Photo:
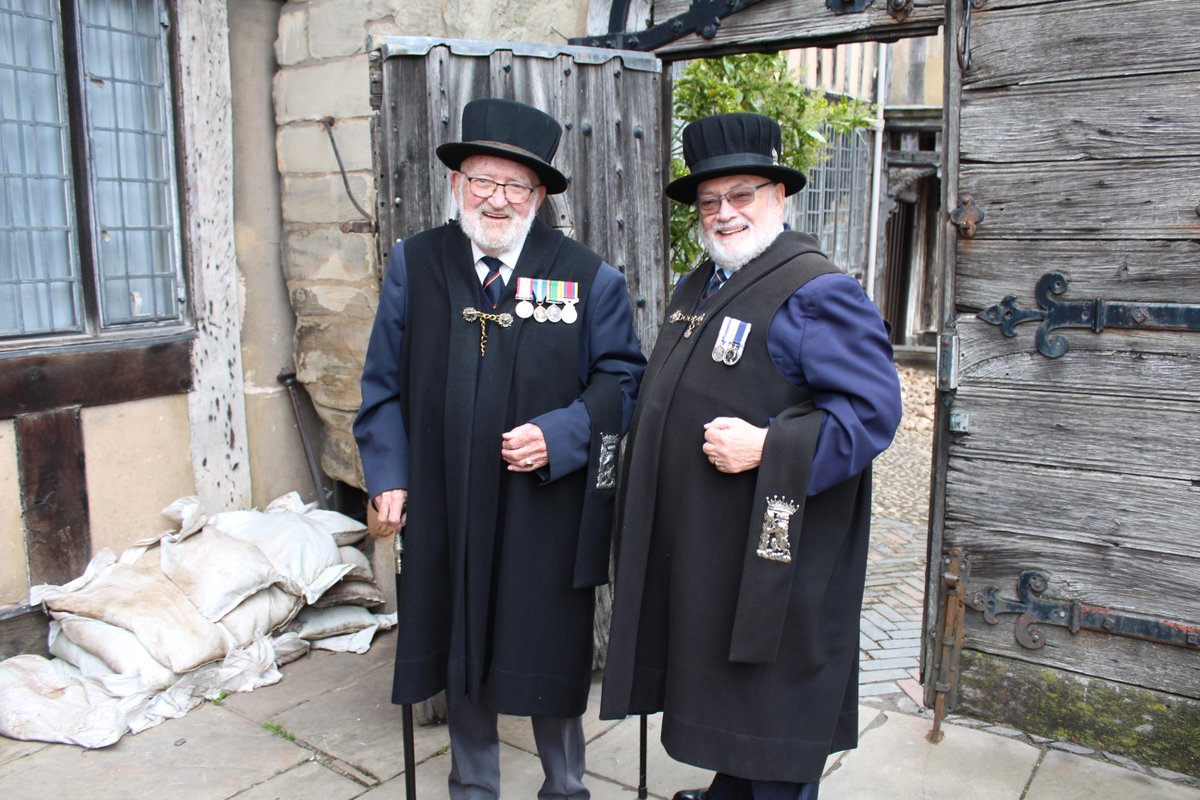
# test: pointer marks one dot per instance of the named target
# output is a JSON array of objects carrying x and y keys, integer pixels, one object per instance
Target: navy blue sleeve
[
  {"x": 829, "y": 338},
  {"x": 610, "y": 345},
  {"x": 379, "y": 427}
]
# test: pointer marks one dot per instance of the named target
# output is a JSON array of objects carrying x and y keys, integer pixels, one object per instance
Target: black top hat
[
  {"x": 508, "y": 129},
  {"x": 732, "y": 144}
]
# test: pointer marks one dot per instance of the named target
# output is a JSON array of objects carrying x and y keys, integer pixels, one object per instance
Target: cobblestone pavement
[{"x": 890, "y": 627}]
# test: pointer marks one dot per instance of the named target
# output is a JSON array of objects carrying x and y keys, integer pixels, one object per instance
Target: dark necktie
[
  {"x": 493, "y": 284},
  {"x": 714, "y": 283}
]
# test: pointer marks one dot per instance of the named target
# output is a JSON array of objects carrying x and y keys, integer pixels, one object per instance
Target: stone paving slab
[
  {"x": 358, "y": 725},
  {"x": 315, "y": 674},
  {"x": 614, "y": 756},
  {"x": 1064, "y": 776},
  {"x": 308, "y": 781},
  {"x": 894, "y": 760},
  {"x": 210, "y": 753}
]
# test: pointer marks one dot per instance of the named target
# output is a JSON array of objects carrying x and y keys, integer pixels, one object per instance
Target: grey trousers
[{"x": 475, "y": 753}]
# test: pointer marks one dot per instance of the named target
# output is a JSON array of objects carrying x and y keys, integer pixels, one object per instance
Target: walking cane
[
  {"x": 406, "y": 712},
  {"x": 642, "y": 791}
]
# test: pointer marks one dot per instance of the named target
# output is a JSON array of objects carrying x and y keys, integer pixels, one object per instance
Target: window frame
[{"x": 93, "y": 333}]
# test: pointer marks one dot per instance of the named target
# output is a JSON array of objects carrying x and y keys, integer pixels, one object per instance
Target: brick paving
[{"x": 890, "y": 626}]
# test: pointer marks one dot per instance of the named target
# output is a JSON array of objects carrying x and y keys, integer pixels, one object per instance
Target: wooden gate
[
  {"x": 612, "y": 147},
  {"x": 1067, "y": 471}
]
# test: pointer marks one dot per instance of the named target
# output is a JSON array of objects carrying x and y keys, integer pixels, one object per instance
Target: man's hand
[
  {"x": 524, "y": 448},
  {"x": 733, "y": 445},
  {"x": 392, "y": 508}
]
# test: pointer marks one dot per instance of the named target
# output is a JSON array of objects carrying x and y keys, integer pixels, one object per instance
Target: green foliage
[{"x": 764, "y": 84}]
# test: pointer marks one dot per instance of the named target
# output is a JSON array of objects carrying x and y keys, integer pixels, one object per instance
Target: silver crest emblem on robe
[
  {"x": 606, "y": 470},
  {"x": 774, "y": 544}
]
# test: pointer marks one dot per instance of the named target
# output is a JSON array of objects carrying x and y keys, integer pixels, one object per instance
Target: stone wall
[{"x": 333, "y": 277}]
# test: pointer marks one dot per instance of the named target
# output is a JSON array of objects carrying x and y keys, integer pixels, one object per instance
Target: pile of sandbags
[{"x": 212, "y": 607}]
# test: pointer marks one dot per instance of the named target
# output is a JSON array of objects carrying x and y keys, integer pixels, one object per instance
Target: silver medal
[
  {"x": 524, "y": 309},
  {"x": 569, "y": 314},
  {"x": 553, "y": 312}
]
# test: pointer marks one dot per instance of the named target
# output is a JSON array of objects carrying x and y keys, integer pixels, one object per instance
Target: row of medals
[{"x": 552, "y": 312}]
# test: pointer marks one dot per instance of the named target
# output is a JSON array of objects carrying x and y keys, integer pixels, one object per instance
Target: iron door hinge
[
  {"x": 1095, "y": 314},
  {"x": 1035, "y": 610}
]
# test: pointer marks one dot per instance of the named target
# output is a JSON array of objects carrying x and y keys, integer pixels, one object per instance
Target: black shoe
[{"x": 691, "y": 794}]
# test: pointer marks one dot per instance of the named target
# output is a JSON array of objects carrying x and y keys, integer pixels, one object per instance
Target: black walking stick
[
  {"x": 406, "y": 712},
  {"x": 642, "y": 761}
]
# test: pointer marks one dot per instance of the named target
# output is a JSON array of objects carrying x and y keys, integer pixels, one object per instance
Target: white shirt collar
[{"x": 509, "y": 257}]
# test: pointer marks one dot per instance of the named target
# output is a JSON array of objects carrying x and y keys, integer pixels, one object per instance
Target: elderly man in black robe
[
  {"x": 745, "y": 508},
  {"x": 500, "y": 375}
]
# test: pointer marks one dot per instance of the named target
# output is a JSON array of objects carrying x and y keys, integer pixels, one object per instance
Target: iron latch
[
  {"x": 1094, "y": 314},
  {"x": 949, "y": 634},
  {"x": 1074, "y": 615},
  {"x": 967, "y": 216}
]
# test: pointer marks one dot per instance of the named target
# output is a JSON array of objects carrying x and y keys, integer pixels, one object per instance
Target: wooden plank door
[
  {"x": 1073, "y": 126},
  {"x": 610, "y": 105}
]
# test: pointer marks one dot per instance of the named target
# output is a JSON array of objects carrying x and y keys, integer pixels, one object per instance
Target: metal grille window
[
  {"x": 833, "y": 206},
  {"x": 88, "y": 212}
]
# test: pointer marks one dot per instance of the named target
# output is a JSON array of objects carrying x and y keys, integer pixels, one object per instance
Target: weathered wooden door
[
  {"x": 612, "y": 148},
  {"x": 1068, "y": 472}
]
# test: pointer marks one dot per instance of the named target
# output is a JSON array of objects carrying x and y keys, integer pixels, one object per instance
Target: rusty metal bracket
[
  {"x": 900, "y": 10},
  {"x": 703, "y": 17},
  {"x": 967, "y": 216},
  {"x": 1095, "y": 314},
  {"x": 1074, "y": 615},
  {"x": 964, "y": 36},
  {"x": 954, "y": 579}
]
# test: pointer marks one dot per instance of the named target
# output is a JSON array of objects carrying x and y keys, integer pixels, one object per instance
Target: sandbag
[
  {"x": 144, "y": 601},
  {"x": 262, "y": 613},
  {"x": 360, "y": 565},
  {"x": 216, "y": 571},
  {"x": 122, "y": 651},
  {"x": 320, "y": 623},
  {"x": 348, "y": 592},
  {"x": 38, "y": 702},
  {"x": 303, "y": 553}
]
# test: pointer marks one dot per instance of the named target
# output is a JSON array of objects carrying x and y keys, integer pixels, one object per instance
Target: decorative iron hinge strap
[
  {"x": 1074, "y": 615},
  {"x": 1095, "y": 314}
]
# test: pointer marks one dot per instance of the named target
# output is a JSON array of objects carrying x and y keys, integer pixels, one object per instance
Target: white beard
[
  {"x": 732, "y": 257},
  {"x": 473, "y": 225}
]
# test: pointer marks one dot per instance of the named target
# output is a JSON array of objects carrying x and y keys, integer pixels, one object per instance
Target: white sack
[
  {"x": 359, "y": 641},
  {"x": 39, "y": 703},
  {"x": 83, "y": 660},
  {"x": 360, "y": 565},
  {"x": 215, "y": 570},
  {"x": 262, "y": 613},
  {"x": 304, "y": 554},
  {"x": 321, "y": 623},
  {"x": 351, "y": 593},
  {"x": 344, "y": 530},
  {"x": 118, "y": 648},
  {"x": 288, "y": 647},
  {"x": 142, "y": 600}
]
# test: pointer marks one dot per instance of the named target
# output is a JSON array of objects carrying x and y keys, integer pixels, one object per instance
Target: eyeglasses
[
  {"x": 484, "y": 188},
  {"x": 738, "y": 197}
]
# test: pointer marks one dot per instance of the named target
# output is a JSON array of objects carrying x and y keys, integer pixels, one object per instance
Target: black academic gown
[
  {"x": 752, "y": 659},
  {"x": 496, "y": 589}
]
